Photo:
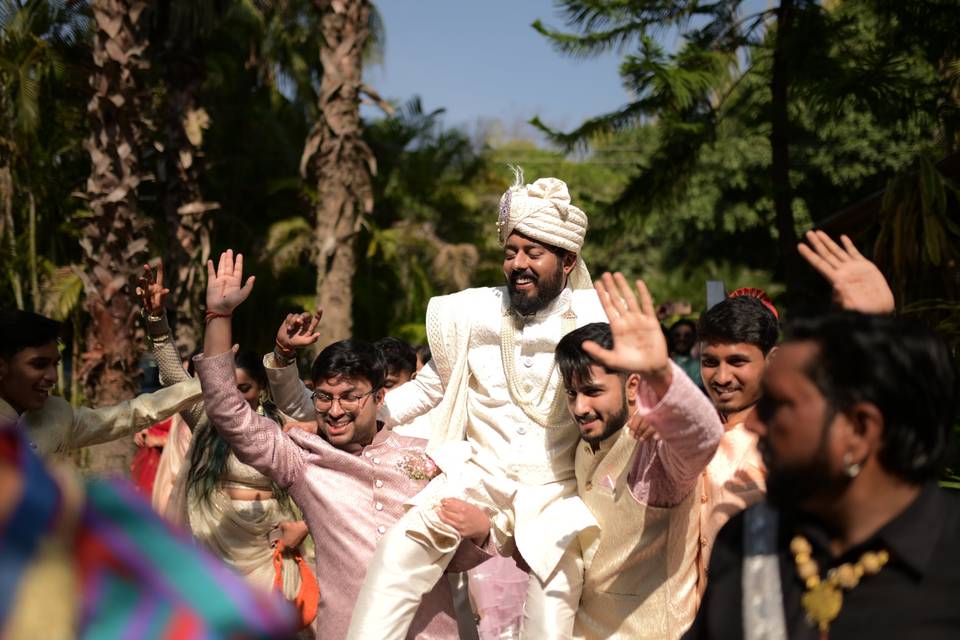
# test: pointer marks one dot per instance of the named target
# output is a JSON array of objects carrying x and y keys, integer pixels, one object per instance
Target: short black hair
[
  {"x": 896, "y": 364},
  {"x": 22, "y": 329},
  {"x": 355, "y": 359},
  {"x": 424, "y": 353},
  {"x": 398, "y": 356},
  {"x": 573, "y": 361},
  {"x": 740, "y": 319}
]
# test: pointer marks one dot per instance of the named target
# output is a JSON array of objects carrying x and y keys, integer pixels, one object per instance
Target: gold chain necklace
[{"x": 823, "y": 599}]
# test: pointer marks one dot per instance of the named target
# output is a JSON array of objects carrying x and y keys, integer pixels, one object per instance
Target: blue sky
[{"x": 482, "y": 62}]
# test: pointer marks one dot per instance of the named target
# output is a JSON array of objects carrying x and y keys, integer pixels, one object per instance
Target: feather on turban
[{"x": 542, "y": 211}]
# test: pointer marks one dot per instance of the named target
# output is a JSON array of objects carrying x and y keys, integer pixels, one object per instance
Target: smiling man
[
  {"x": 351, "y": 479},
  {"x": 29, "y": 356},
  {"x": 640, "y": 571},
  {"x": 738, "y": 338},
  {"x": 500, "y": 431}
]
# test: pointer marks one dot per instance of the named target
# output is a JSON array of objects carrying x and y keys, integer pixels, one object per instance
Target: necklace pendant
[{"x": 822, "y": 604}]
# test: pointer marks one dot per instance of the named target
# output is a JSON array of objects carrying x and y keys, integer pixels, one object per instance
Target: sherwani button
[
  {"x": 521, "y": 430},
  {"x": 703, "y": 542},
  {"x": 367, "y": 454},
  {"x": 528, "y": 361},
  {"x": 381, "y": 529},
  {"x": 703, "y": 499},
  {"x": 376, "y": 461},
  {"x": 588, "y": 485},
  {"x": 378, "y": 484}
]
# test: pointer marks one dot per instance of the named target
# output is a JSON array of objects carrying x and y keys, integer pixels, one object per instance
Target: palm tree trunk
[
  {"x": 779, "y": 144},
  {"x": 341, "y": 161},
  {"x": 188, "y": 225},
  {"x": 9, "y": 234},
  {"x": 113, "y": 241},
  {"x": 32, "y": 251}
]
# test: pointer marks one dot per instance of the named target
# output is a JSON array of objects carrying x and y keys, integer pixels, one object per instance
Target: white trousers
[{"x": 406, "y": 566}]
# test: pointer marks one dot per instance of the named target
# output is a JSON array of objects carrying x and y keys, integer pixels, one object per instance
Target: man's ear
[
  {"x": 772, "y": 354},
  {"x": 866, "y": 430},
  {"x": 632, "y": 388},
  {"x": 569, "y": 262},
  {"x": 379, "y": 395}
]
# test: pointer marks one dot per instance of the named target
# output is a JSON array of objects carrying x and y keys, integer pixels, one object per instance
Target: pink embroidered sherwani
[
  {"x": 348, "y": 500},
  {"x": 640, "y": 570},
  {"x": 734, "y": 480}
]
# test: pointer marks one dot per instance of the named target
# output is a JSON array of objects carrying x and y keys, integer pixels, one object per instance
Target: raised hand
[
  {"x": 298, "y": 330},
  {"x": 225, "y": 287},
  {"x": 639, "y": 345},
  {"x": 858, "y": 285},
  {"x": 151, "y": 291}
]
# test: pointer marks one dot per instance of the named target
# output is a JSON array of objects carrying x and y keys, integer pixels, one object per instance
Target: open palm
[
  {"x": 639, "y": 345},
  {"x": 225, "y": 286},
  {"x": 858, "y": 285}
]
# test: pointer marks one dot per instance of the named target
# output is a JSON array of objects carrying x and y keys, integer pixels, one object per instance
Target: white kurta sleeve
[{"x": 412, "y": 399}]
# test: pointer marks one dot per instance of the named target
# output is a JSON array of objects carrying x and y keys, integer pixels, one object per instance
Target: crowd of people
[{"x": 554, "y": 463}]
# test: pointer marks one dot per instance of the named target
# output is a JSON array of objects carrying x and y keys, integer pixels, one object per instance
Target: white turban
[{"x": 542, "y": 211}]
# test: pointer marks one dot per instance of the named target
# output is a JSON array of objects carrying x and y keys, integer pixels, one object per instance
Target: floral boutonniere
[{"x": 418, "y": 466}]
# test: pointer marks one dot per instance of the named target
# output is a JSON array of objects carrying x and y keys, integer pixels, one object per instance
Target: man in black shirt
[{"x": 857, "y": 540}]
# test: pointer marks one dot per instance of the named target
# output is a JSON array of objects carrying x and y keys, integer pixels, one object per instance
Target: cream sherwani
[
  {"x": 58, "y": 426},
  {"x": 493, "y": 454}
]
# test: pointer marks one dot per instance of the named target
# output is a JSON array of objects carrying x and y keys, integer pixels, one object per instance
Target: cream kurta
[
  {"x": 58, "y": 427},
  {"x": 640, "y": 572}
]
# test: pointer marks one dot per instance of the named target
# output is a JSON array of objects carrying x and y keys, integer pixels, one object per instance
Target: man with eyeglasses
[{"x": 351, "y": 479}]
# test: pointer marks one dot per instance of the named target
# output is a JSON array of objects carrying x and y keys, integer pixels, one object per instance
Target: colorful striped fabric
[{"x": 130, "y": 575}]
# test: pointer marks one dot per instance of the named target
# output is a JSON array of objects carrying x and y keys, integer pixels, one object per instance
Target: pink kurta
[
  {"x": 348, "y": 500},
  {"x": 734, "y": 480}
]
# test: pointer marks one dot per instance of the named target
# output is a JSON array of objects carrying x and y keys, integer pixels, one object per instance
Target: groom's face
[{"x": 536, "y": 273}]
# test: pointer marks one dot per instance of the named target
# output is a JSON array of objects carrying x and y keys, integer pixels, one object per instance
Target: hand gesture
[
  {"x": 224, "y": 290},
  {"x": 152, "y": 293},
  {"x": 639, "y": 345},
  {"x": 858, "y": 285},
  {"x": 298, "y": 331},
  {"x": 469, "y": 521}
]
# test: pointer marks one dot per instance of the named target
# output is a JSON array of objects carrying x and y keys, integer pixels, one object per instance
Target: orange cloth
[
  {"x": 143, "y": 468},
  {"x": 734, "y": 480}
]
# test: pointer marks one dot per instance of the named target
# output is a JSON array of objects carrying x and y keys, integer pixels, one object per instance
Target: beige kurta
[
  {"x": 640, "y": 571},
  {"x": 58, "y": 427}
]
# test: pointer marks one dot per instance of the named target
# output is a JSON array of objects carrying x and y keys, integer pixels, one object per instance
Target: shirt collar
[{"x": 909, "y": 537}]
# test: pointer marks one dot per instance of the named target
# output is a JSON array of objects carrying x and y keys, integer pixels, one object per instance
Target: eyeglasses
[{"x": 323, "y": 402}]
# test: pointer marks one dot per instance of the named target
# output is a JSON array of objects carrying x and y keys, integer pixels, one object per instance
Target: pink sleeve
[
  {"x": 256, "y": 440},
  {"x": 665, "y": 471}
]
